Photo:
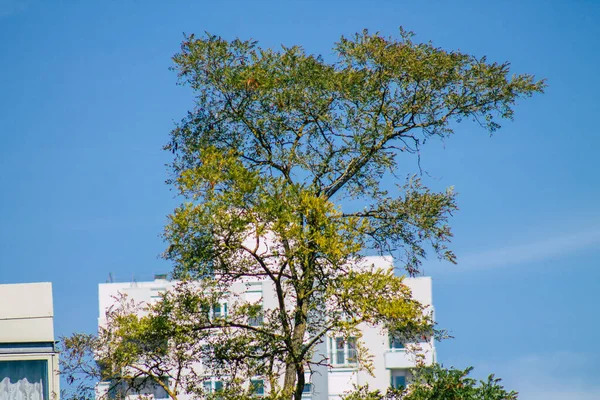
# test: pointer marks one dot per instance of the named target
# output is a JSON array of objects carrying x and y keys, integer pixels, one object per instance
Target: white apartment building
[
  {"x": 28, "y": 360},
  {"x": 391, "y": 360}
]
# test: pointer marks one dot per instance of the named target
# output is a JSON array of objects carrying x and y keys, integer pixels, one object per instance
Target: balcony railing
[{"x": 401, "y": 358}]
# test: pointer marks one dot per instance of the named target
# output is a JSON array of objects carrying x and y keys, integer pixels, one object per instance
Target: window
[
  {"x": 340, "y": 351},
  {"x": 256, "y": 318},
  {"x": 343, "y": 351},
  {"x": 140, "y": 388},
  {"x": 307, "y": 389},
  {"x": 254, "y": 299},
  {"x": 399, "y": 381},
  {"x": 396, "y": 344},
  {"x": 206, "y": 355},
  {"x": 211, "y": 386},
  {"x": 22, "y": 377},
  {"x": 258, "y": 387},
  {"x": 351, "y": 346},
  {"x": 219, "y": 310}
]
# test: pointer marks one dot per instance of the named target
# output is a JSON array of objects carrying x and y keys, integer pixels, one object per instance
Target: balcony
[{"x": 401, "y": 358}]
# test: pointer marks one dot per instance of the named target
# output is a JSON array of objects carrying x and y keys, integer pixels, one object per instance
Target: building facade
[
  {"x": 391, "y": 359},
  {"x": 28, "y": 359}
]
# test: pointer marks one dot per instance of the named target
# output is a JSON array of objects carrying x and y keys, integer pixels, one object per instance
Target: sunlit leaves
[
  {"x": 439, "y": 383},
  {"x": 280, "y": 139}
]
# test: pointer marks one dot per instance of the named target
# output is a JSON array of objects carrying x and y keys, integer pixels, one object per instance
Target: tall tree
[
  {"x": 290, "y": 167},
  {"x": 294, "y": 167}
]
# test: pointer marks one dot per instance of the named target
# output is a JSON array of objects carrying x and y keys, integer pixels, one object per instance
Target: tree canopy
[{"x": 280, "y": 142}]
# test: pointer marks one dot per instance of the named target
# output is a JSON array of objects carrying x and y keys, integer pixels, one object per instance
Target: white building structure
[
  {"x": 28, "y": 360},
  {"x": 391, "y": 360}
]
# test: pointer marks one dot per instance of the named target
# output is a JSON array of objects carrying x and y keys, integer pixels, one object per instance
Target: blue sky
[{"x": 87, "y": 101}]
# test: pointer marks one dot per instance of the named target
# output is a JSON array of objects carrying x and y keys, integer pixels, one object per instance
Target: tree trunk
[
  {"x": 289, "y": 382},
  {"x": 295, "y": 365},
  {"x": 300, "y": 383}
]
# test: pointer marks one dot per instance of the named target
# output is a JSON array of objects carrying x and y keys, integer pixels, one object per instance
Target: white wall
[
  {"x": 26, "y": 313},
  {"x": 339, "y": 380}
]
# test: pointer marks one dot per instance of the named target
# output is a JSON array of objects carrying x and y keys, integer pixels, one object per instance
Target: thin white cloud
[
  {"x": 552, "y": 376},
  {"x": 556, "y": 246}
]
